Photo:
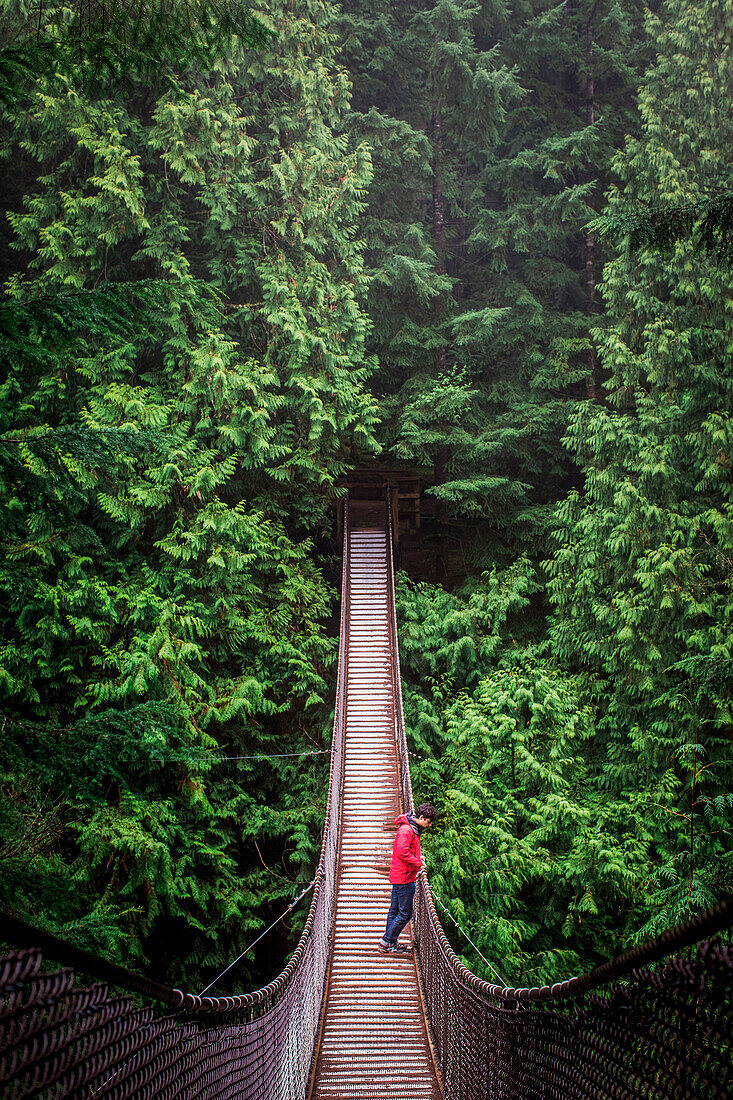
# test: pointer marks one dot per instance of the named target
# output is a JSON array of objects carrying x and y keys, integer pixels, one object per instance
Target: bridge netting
[
  {"x": 655, "y": 1023},
  {"x": 645, "y": 1025}
]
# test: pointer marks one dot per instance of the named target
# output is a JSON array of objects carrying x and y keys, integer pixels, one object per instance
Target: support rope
[
  {"x": 466, "y": 935},
  {"x": 262, "y": 935}
]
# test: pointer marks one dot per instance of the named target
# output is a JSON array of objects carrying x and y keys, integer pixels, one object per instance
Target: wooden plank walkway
[{"x": 374, "y": 1041}]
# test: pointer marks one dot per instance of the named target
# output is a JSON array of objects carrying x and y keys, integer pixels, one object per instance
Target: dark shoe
[{"x": 402, "y": 949}]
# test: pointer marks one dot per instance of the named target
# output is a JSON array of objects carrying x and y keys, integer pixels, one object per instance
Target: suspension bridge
[{"x": 343, "y": 1021}]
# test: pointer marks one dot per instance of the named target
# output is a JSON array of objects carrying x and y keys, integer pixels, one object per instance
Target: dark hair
[{"x": 426, "y": 810}]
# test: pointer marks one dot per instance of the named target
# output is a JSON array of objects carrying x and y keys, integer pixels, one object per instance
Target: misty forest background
[{"x": 472, "y": 236}]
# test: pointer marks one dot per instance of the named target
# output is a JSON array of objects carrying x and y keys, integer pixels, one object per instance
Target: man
[{"x": 406, "y": 862}]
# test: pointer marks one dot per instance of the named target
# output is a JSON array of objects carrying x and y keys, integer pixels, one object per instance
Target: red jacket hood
[{"x": 406, "y": 855}]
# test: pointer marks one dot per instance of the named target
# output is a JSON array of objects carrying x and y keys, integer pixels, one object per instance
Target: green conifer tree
[
  {"x": 175, "y": 417},
  {"x": 535, "y": 857},
  {"x": 642, "y": 575},
  {"x": 495, "y": 129}
]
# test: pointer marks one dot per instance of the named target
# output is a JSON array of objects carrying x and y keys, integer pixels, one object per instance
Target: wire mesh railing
[
  {"x": 663, "y": 1032},
  {"x": 60, "y": 1040}
]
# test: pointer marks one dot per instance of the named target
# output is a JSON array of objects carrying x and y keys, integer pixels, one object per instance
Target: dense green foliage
[
  {"x": 184, "y": 384},
  {"x": 494, "y": 127},
  {"x": 582, "y": 745},
  {"x": 652, "y": 620},
  {"x": 236, "y": 263}
]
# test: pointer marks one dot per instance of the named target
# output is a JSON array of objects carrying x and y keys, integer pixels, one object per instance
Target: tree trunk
[
  {"x": 438, "y": 221},
  {"x": 441, "y": 457},
  {"x": 590, "y": 240},
  {"x": 441, "y": 518}
]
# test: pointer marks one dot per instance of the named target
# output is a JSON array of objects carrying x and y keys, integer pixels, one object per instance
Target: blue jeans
[{"x": 400, "y": 910}]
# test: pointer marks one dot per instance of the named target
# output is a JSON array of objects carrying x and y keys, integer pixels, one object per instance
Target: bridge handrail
[
  {"x": 257, "y": 1045},
  {"x": 673, "y": 939},
  {"x": 326, "y": 869},
  {"x": 499, "y": 1040}
]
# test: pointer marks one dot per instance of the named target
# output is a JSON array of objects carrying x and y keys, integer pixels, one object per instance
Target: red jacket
[{"x": 406, "y": 858}]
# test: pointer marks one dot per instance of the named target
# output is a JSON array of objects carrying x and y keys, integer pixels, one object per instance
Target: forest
[{"x": 249, "y": 250}]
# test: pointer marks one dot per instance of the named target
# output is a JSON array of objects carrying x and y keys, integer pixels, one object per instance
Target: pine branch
[
  {"x": 109, "y": 40},
  {"x": 708, "y": 222}
]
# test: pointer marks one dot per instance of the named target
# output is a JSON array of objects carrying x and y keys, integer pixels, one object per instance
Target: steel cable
[{"x": 254, "y": 943}]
